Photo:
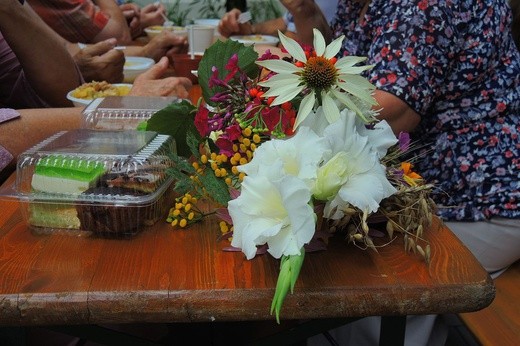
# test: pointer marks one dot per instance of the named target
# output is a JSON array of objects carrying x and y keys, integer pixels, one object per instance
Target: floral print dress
[{"x": 455, "y": 63}]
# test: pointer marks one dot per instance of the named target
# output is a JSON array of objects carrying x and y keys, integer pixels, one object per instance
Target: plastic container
[
  {"x": 102, "y": 183},
  {"x": 123, "y": 112}
]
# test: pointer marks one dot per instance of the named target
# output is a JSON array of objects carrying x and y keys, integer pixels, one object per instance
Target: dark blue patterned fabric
[{"x": 455, "y": 63}]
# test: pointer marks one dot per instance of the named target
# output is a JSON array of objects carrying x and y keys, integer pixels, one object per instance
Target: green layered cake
[
  {"x": 65, "y": 175},
  {"x": 61, "y": 175}
]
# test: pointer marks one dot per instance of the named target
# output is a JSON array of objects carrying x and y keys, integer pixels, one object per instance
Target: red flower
[{"x": 201, "y": 121}]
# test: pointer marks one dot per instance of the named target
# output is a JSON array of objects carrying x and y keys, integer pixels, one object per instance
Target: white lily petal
[
  {"x": 306, "y": 107},
  {"x": 329, "y": 108},
  {"x": 334, "y": 47},
  {"x": 292, "y": 47},
  {"x": 319, "y": 42},
  {"x": 279, "y": 66}
]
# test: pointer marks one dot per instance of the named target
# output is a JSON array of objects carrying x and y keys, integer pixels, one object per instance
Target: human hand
[
  {"x": 152, "y": 14},
  {"x": 229, "y": 25},
  {"x": 150, "y": 83},
  {"x": 100, "y": 62},
  {"x": 165, "y": 44},
  {"x": 132, "y": 14}
]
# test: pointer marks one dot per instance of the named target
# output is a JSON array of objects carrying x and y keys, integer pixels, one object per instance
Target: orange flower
[{"x": 410, "y": 176}]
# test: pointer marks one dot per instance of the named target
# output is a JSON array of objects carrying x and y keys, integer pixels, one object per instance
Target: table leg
[{"x": 392, "y": 330}]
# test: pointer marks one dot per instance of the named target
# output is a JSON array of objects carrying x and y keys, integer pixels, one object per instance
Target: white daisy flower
[{"x": 321, "y": 78}]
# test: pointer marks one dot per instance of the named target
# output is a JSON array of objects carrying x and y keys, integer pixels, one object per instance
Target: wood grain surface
[{"x": 172, "y": 275}]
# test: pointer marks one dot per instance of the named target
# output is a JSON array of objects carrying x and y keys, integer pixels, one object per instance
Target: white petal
[
  {"x": 349, "y": 61},
  {"x": 359, "y": 92},
  {"x": 306, "y": 106},
  {"x": 281, "y": 80},
  {"x": 329, "y": 108},
  {"x": 292, "y": 47},
  {"x": 284, "y": 97},
  {"x": 279, "y": 66},
  {"x": 345, "y": 99},
  {"x": 319, "y": 42},
  {"x": 354, "y": 69},
  {"x": 334, "y": 47}
]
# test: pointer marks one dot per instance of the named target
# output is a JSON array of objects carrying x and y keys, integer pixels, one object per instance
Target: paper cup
[{"x": 200, "y": 37}]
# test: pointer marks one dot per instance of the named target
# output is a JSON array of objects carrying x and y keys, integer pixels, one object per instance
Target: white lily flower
[
  {"x": 358, "y": 177},
  {"x": 298, "y": 156},
  {"x": 322, "y": 78},
  {"x": 276, "y": 213}
]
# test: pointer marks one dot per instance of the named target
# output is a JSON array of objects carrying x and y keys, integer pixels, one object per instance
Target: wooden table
[{"x": 172, "y": 275}]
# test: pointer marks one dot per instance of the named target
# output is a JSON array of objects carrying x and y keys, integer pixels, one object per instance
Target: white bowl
[
  {"x": 83, "y": 102},
  {"x": 134, "y": 66},
  {"x": 256, "y": 39},
  {"x": 155, "y": 30}
]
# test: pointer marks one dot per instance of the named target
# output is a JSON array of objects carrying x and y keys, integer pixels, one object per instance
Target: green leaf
[
  {"x": 218, "y": 55},
  {"x": 289, "y": 271},
  {"x": 175, "y": 120},
  {"x": 215, "y": 187},
  {"x": 193, "y": 142}
]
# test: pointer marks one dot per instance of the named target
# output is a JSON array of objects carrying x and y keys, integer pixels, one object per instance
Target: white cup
[
  {"x": 208, "y": 21},
  {"x": 200, "y": 37}
]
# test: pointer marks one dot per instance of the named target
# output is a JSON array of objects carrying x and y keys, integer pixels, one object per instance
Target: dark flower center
[{"x": 319, "y": 73}]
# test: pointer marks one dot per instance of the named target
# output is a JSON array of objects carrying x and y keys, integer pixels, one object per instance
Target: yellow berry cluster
[
  {"x": 227, "y": 167},
  {"x": 183, "y": 213},
  {"x": 225, "y": 228}
]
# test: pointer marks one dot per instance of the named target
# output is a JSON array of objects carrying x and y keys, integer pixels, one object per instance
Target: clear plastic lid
[
  {"x": 86, "y": 166},
  {"x": 123, "y": 112}
]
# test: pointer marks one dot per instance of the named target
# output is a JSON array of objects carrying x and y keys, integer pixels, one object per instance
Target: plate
[{"x": 256, "y": 39}]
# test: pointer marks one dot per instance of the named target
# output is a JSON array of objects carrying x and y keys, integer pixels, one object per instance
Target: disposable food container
[
  {"x": 123, "y": 112},
  {"x": 102, "y": 183}
]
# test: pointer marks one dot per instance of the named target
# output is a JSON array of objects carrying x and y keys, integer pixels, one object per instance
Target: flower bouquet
[{"x": 289, "y": 150}]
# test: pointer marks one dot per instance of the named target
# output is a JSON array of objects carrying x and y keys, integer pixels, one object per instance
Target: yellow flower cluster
[
  {"x": 227, "y": 168},
  {"x": 183, "y": 212}
]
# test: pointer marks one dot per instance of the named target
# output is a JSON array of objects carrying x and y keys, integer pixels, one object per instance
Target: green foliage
[
  {"x": 218, "y": 55},
  {"x": 289, "y": 271},
  {"x": 211, "y": 8},
  {"x": 264, "y": 10},
  {"x": 215, "y": 188},
  {"x": 175, "y": 14},
  {"x": 176, "y": 120}
]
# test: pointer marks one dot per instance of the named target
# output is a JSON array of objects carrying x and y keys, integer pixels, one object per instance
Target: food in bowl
[
  {"x": 86, "y": 92},
  {"x": 155, "y": 30},
  {"x": 134, "y": 66}
]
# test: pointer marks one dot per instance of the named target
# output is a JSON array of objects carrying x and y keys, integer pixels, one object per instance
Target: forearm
[
  {"x": 47, "y": 65},
  {"x": 116, "y": 26},
  {"x": 34, "y": 125},
  {"x": 307, "y": 16}
]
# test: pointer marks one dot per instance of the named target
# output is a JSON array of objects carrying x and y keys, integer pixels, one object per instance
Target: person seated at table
[
  {"x": 453, "y": 82},
  {"x": 33, "y": 125},
  {"x": 82, "y": 25},
  {"x": 27, "y": 81},
  {"x": 139, "y": 18},
  {"x": 229, "y": 24},
  {"x": 84, "y": 21}
]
